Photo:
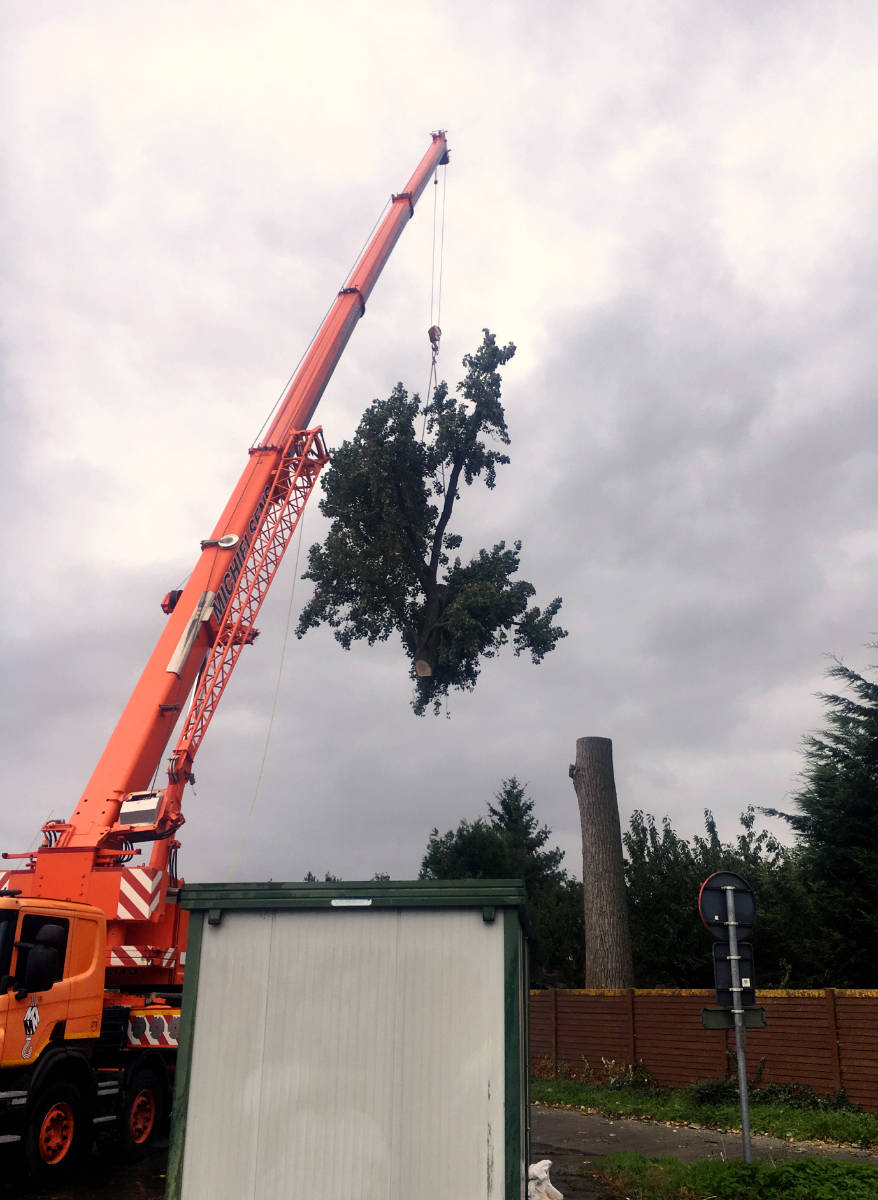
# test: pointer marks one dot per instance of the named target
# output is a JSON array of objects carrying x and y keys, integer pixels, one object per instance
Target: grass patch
[
  {"x": 773, "y": 1113},
  {"x": 643, "y": 1178}
]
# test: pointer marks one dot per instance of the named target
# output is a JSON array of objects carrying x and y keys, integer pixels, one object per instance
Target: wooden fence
[{"x": 828, "y": 1039}]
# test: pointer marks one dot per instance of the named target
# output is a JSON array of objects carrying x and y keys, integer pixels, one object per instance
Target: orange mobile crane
[{"x": 92, "y": 939}]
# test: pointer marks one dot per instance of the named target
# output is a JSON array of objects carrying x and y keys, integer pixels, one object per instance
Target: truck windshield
[{"x": 8, "y": 917}]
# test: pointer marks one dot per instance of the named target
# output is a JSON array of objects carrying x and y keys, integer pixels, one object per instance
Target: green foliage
[
  {"x": 664, "y": 874},
  {"x": 713, "y": 1092},
  {"x": 816, "y": 903},
  {"x": 385, "y": 567},
  {"x": 802, "y": 1096},
  {"x": 622, "y": 1076},
  {"x": 511, "y": 844},
  {"x": 642, "y": 1178},
  {"x": 310, "y": 877},
  {"x": 706, "y": 1104},
  {"x": 837, "y": 828}
]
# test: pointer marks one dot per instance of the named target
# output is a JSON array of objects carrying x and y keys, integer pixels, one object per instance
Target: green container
[{"x": 354, "y": 1041}]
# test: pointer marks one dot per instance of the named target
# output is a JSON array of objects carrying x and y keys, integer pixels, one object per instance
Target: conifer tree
[
  {"x": 837, "y": 827},
  {"x": 512, "y": 844},
  {"x": 386, "y": 565}
]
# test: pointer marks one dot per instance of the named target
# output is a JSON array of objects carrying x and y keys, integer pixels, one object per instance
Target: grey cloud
[{"x": 692, "y": 444}]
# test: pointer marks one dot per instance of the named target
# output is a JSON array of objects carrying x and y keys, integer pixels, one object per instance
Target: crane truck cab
[
  {"x": 52, "y": 960},
  {"x": 69, "y": 1061}
]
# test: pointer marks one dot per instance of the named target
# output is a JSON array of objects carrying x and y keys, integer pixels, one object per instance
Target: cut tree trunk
[
  {"x": 607, "y": 940},
  {"x": 430, "y": 638}
]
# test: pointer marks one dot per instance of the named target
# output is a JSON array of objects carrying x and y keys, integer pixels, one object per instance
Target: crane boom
[
  {"x": 92, "y": 935},
  {"x": 209, "y": 622}
]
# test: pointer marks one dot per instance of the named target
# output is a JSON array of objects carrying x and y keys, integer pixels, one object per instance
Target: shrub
[
  {"x": 713, "y": 1091},
  {"x": 802, "y": 1096},
  {"x": 802, "y": 1179}
]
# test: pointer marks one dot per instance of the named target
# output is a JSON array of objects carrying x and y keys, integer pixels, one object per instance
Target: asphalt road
[
  {"x": 102, "y": 1179},
  {"x": 99, "y": 1178},
  {"x": 572, "y": 1140}
]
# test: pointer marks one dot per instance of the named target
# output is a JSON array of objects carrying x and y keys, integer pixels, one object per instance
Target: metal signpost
[{"x": 728, "y": 910}]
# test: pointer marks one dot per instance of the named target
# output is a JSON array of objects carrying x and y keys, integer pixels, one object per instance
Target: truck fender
[{"x": 63, "y": 1064}]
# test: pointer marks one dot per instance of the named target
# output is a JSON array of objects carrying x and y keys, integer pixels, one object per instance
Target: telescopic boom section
[{"x": 212, "y": 619}]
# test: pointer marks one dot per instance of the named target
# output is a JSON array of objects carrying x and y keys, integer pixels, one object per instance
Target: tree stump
[{"x": 607, "y": 940}]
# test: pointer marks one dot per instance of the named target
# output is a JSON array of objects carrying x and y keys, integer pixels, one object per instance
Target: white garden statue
[{"x": 539, "y": 1186}]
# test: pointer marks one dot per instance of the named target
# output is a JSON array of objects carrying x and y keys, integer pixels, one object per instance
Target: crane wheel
[
  {"x": 144, "y": 1110},
  {"x": 56, "y": 1130}
]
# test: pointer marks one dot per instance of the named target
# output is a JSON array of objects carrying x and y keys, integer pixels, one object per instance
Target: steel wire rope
[
  {"x": 295, "y": 370},
  {"x": 436, "y": 307},
  {"x": 441, "y": 249},
  {"x": 439, "y": 292},
  {"x": 270, "y": 727},
  {"x": 435, "y": 298},
  {"x": 286, "y": 386},
  {"x": 433, "y": 248}
]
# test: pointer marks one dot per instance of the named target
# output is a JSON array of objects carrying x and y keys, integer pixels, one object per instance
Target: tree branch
[
  {"x": 425, "y": 576},
  {"x": 445, "y": 516}
]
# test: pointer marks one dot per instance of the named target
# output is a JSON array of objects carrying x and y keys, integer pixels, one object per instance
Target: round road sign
[{"x": 712, "y": 905}]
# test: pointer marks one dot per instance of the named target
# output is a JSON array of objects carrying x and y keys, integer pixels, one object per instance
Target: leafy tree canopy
[
  {"x": 329, "y": 877},
  {"x": 511, "y": 844},
  {"x": 664, "y": 874},
  {"x": 386, "y": 565},
  {"x": 837, "y": 828},
  {"x": 816, "y": 902}
]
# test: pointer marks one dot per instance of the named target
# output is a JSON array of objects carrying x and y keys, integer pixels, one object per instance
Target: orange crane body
[{"x": 90, "y": 878}]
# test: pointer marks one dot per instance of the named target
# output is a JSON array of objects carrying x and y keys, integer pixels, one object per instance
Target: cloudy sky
[{"x": 668, "y": 205}]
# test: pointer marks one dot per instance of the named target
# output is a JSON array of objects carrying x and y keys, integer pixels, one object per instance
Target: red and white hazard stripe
[
  {"x": 140, "y": 956},
  {"x": 139, "y": 893},
  {"x": 153, "y": 1029},
  {"x": 130, "y": 956},
  {"x": 5, "y": 877}
]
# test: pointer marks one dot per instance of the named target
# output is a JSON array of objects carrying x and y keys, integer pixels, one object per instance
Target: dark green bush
[
  {"x": 800, "y": 1179},
  {"x": 788, "y": 1095},
  {"x": 713, "y": 1091},
  {"x": 802, "y": 1096}
]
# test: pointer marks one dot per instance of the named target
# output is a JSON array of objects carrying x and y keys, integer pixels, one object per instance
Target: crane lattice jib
[
  {"x": 293, "y": 484},
  {"x": 213, "y": 617}
]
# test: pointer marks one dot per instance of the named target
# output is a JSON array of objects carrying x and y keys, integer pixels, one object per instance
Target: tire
[
  {"x": 144, "y": 1110},
  {"x": 57, "y": 1132}
]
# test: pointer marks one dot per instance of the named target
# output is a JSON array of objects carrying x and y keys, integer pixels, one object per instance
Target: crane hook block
[{"x": 434, "y": 333}]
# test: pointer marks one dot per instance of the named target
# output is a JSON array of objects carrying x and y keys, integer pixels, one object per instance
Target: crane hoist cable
[
  {"x": 434, "y": 336},
  {"x": 441, "y": 249},
  {"x": 434, "y": 333},
  {"x": 294, "y": 372},
  {"x": 274, "y": 702}
]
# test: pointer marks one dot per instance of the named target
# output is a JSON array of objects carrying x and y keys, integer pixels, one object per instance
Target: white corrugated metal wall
[{"x": 348, "y": 1054}]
